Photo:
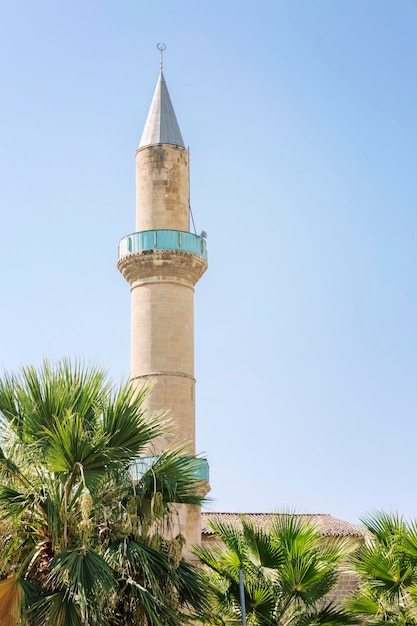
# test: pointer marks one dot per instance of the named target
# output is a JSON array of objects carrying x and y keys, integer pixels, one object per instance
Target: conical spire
[{"x": 161, "y": 124}]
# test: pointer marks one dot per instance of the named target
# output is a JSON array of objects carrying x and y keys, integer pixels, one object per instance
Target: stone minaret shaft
[
  {"x": 163, "y": 289},
  {"x": 162, "y": 261}
]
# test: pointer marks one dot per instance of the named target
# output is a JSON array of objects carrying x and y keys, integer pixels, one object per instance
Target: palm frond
[
  {"x": 408, "y": 542},
  {"x": 261, "y": 548},
  {"x": 139, "y": 603},
  {"x": 190, "y": 582},
  {"x": 14, "y": 503},
  {"x": 328, "y": 615},
  {"x": 231, "y": 536},
  {"x": 363, "y": 603},
  {"x": 129, "y": 558},
  {"x": 9, "y": 469},
  {"x": 175, "y": 476},
  {"x": 383, "y": 568},
  {"x": 384, "y": 526},
  {"x": 57, "y": 608},
  {"x": 78, "y": 571},
  {"x": 126, "y": 426},
  {"x": 69, "y": 438},
  {"x": 287, "y": 572},
  {"x": 387, "y": 566},
  {"x": 210, "y": 556},
  {"x": 72, "y": 448},
  {"x": 15, "y": 594}
]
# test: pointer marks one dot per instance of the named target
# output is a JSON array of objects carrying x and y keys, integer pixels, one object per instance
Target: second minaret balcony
[{"x": 162, "y": 240}]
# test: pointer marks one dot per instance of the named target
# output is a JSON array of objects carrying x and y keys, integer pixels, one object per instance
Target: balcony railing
[
  {"x": 162, "y": 240},
  {"x": 142, "y": 464}
]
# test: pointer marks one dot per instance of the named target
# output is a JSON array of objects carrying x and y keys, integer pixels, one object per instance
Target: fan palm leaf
[
  {"x": 387, "y": 566},
  {"x": 287, "y": 572},
  {"x": 175, "y": 475},
  {"x": 15, "y": 594},
  {"x": 58, "y": 609},
  {"x": 84, "y": 534}
]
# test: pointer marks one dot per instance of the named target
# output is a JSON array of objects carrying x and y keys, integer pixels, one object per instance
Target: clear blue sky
[{"x": 301, "y": 117}]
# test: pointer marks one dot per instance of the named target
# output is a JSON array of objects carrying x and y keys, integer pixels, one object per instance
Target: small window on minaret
[{"x": 180, "y": 240}]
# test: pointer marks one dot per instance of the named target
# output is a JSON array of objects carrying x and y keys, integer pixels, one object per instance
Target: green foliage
[
  {"x": 287, "y": 573},
  {"x": 85, "y": 543},
  {"x": 387, "y": 567}
]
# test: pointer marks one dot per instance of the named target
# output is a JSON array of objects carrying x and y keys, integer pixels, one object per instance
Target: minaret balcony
[{"x": 162, "y": 240}]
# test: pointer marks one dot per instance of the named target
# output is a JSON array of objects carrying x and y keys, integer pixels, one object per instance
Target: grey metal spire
[{"x": 161, "y": 124}]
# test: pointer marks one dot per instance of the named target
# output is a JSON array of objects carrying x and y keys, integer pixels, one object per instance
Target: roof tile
[{"x": 327, "y": 525}]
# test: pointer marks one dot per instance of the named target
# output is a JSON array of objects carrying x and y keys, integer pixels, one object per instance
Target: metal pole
[{"x": 242, "y": 598}]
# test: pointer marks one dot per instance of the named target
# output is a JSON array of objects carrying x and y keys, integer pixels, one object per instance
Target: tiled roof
[{"x": 327, "y": 525}]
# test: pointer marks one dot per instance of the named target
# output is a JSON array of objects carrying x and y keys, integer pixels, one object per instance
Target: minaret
[{"x": 162, "y": 261}]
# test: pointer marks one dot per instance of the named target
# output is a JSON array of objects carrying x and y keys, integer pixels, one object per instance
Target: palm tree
[
  {"x": 287, "y": 571},
  {"x": 387, "y": 567},
  {"x": 86, "y": 543}
]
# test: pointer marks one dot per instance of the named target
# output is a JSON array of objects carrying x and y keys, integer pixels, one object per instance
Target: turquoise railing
[
  {"x": 162, "y": 240},
  {"x": 142, "y": 464}
]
